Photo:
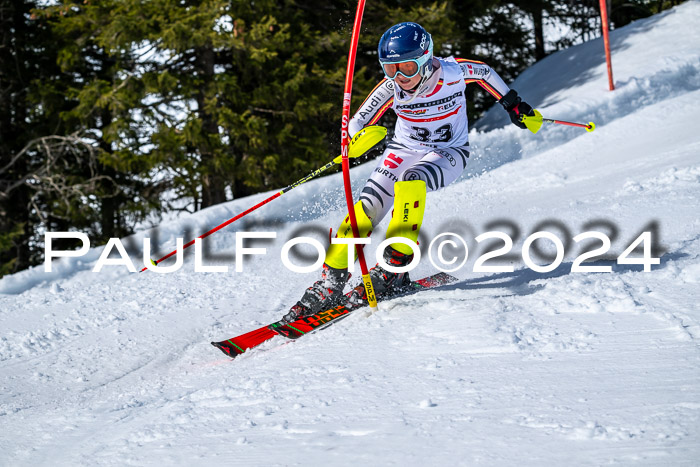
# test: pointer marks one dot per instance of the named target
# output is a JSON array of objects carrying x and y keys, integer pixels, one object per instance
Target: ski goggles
[{"x": 409, "y": 69}]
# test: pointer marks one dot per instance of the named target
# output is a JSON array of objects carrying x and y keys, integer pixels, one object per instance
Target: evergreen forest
[{"x": 114, "y": 113}]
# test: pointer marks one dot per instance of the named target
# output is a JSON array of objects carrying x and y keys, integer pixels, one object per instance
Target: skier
[{"x": 429, "y": 150}]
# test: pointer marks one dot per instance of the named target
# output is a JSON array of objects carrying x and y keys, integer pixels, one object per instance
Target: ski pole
[
  {"x": 534, "y": 122},
  {"x": 365, "y": 140}
]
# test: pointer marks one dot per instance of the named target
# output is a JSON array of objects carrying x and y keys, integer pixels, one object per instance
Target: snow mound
[{"x": 500, "y": 368}]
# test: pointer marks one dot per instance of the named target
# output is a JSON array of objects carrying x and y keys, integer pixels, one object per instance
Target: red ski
[{"x": 237, "y": 345}]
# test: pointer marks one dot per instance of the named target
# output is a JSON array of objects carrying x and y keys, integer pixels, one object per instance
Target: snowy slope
[{"x": 511, "y": 368}]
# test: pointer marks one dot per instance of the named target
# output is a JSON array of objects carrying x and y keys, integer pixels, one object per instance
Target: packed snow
[{"x": 501, "y": 368}]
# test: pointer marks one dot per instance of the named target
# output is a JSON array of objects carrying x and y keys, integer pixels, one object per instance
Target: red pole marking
[
  {"x": 562, "y": 122},
  {"x": 606, "y": 41},
  {"x": 344, "y": 131}
]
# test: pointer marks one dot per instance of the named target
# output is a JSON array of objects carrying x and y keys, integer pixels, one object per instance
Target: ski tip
[
  {"x": 437, "y": 280},
  {"x": 447, "y": 277},
  {"x": 452, "y": 278}
]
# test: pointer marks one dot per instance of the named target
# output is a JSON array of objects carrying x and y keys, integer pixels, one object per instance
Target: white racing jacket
[{"x": 437, "y": 117}]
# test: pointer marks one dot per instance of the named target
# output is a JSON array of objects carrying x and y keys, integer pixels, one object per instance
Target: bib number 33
[{"x": 424, "y": 135}]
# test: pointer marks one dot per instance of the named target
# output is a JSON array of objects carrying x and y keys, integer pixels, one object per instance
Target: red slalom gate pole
[
  {"x": 606, "y": 41},
  {"x": 344, "y": 136}
]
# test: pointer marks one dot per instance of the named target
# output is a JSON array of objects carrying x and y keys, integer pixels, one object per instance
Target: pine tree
[
  {"x": 235, "y": 96},
  {"x": 26, "y": 53}
]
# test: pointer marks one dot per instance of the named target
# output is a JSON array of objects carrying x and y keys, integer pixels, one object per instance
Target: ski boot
[
  {"x": 322, "y": 295},
  {"x": 386, "y": 284}
]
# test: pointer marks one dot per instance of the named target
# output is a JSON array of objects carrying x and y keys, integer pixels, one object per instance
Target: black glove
[{"x": 516, "y": 107}]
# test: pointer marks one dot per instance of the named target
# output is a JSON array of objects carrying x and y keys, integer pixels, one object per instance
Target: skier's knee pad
[
  {"x": 337, "y": 255},
  {"x": 416, "y": 173},
  {"x": 409, "y": 207}
]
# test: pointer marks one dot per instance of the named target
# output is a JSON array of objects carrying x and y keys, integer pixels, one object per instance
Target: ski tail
[
  {"x": 229, "y": 348},
  {"x": 238, "y": 345}
]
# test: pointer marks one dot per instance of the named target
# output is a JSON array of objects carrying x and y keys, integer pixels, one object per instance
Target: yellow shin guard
[
  {"x": 337, "y": 256},
  {"x": 409, "y": 206}
]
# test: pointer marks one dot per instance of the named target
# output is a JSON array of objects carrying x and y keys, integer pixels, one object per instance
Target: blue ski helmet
[{"x": 406, "y": 42}]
